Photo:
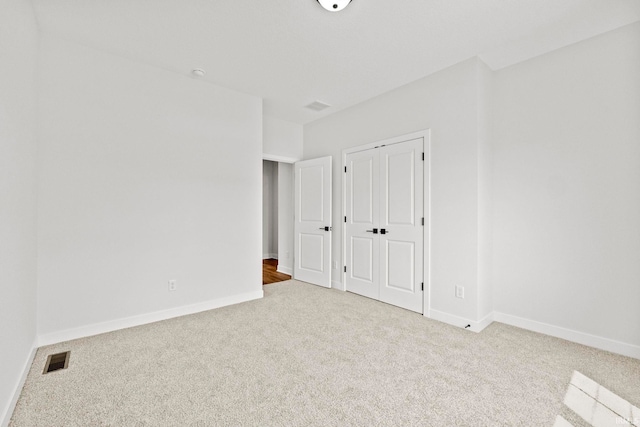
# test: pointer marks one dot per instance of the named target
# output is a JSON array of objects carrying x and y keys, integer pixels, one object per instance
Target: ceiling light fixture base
[{"x": 334, "y": 5}]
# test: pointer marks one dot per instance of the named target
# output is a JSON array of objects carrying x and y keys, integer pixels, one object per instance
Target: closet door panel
[
  {"x": 362, "y": 209},
  {"x": 401, "y": 200}
]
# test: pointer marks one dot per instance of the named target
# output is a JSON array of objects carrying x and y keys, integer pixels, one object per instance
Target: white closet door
[
  {"x": 312, "y": 228},
  {"x": 401, "y": 231},
  {"x": 362, "y": 211},
  {"x": 384, "y": 231}
]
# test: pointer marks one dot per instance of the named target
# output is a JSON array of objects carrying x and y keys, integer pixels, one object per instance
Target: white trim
[
  {"x": 601, "y": 343},
  {"x": 461, "y": 322},
  {"x": 285, "y": 270},
  {"x": 281, "y": 159},
  {"x": 426, "y": 233},
  {"x": 395, "y": 140},
  {"x": 11, "y": 405},
  {"x": 337, "y": 285},
  {"x": 269, "y": 256},
  {"x": 484, "y": 322},
  {"x": 128, "y": 322}
]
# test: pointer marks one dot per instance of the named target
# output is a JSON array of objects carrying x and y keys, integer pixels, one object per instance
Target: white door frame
[
  {"x": 426, "y": 137},
  {"x": 291, "y": 161}
]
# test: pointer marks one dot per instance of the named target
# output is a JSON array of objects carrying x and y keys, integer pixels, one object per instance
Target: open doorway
[{"x": 277, "y": 221}]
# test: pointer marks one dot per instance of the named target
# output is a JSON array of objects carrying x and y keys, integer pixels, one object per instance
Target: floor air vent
[{"x": 58, "y": 361}]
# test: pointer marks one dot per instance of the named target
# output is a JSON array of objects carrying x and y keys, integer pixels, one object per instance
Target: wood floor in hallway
[{"x": 270, "y": 273}]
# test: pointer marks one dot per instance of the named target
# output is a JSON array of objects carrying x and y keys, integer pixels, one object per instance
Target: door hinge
[
  {"x": 422, "y": 220},
  {"x": 423, "y": 286},
  {"x": 345, "y": 268},
  {"x": 345, "y": 169},
  {"x": 423, "y": 156},
  {"x": 345, "y": 219}
]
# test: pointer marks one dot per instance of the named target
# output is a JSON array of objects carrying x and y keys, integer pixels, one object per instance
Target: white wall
[
  {"x": 285, "y": 218},
  {"x": 282, "y": 140},
  {"x": 485, "y": 194},
  {"x": 448, "y": 103},
  {"x": 269, "y": 209},
  {"x": 566, "y": 186},
  {"x": 18, "y": 105},
  {"x": 144, "y": 176}
]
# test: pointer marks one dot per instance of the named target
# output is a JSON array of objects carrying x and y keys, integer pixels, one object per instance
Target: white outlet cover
[{"x": 460, "y": 291}]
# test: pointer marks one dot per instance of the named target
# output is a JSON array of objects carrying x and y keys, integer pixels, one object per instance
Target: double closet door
[{"x": 384, "y": 223}]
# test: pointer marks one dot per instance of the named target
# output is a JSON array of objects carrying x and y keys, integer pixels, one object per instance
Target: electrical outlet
[
  {"x": 459, "y": 291},
  {"x": 172, "y": 285}
]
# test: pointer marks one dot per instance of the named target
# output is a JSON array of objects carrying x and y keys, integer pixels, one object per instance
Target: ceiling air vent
[
  {"x": 56, "y": 362},
  {"x": 317, "y": 106}
]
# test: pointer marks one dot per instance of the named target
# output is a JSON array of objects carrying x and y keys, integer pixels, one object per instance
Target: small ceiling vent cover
[
  {"x": 317, "y": 106},
  {"x": 57, "y": 361}
]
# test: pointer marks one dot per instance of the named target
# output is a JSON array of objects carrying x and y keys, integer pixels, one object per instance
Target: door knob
[
  {"x": 383, "y": 231},
  {"x": 374, "y": 231},
  {"x": 326, "y": 228}
]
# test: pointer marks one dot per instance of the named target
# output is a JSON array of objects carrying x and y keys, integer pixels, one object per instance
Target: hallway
[{"x": 270, "y": 273}]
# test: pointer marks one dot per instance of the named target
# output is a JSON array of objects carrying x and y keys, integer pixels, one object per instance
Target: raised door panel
[
  {"x": 401, "y": 265},
  {"x": 311, "y": 193},
  {"x": 310, "y": 253}
]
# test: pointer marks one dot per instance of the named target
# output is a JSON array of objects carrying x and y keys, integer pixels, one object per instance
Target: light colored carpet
[{"x": 307, "y": 356}]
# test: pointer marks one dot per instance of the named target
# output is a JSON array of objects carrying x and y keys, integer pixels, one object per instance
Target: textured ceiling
[{"x": 292, "y": 52}]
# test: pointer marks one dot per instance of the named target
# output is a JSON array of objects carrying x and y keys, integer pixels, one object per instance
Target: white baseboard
[
  {"x": 485, "y": 321},
  {"x": 285, "y": 270},
  {"x": 601, "y": 343},
  {"x": 8, "y": 410},
  {"x": 337, "y": 285},
  {"x": 128, "y": 322},
  {"x": 269, "y": 256},
  {"x": 461, "y": 322}
]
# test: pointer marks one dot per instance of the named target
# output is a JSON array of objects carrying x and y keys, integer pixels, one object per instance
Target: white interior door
[
  {"x": 312, "y": 226},
  {"x": 401, "y": 232},
  {"x": 384, "y": 224},
  {"x": 362, "y": 246}
]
